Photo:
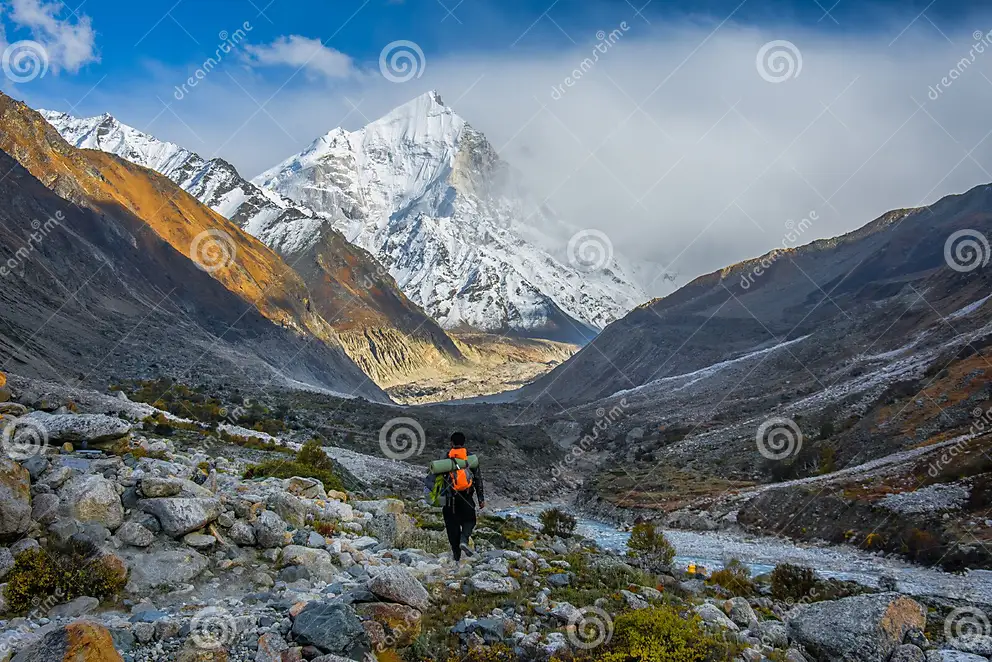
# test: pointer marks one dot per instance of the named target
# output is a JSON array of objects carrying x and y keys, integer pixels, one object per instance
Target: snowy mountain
[
  {"x": 430, "y": 198},
  {"x": 215, "y": 183}
]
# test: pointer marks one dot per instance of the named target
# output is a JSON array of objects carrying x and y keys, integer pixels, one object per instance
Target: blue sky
[{"x": 676, "y": 141}]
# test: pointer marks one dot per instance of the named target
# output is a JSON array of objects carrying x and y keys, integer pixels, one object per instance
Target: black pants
[{"x": 459, "y": 520}]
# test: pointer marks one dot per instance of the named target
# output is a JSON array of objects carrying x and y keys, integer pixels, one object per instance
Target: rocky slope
[
  {"x": 430, "y": 198},
  {"x": 387, "y": 335},
  {"x": 161, "y": 549},
  {"x": 141, "y": 277}
]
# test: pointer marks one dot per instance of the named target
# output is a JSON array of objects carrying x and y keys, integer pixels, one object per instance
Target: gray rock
[
  {"x": 226, "y": 520},
  {"x": 180, "y": 516},
  {"x": 242, "y": 533},
  {"x": 953, "y": 656},
  {"x": 379, "y": 508},
  {"x": 865, "y": 628},
  {"x": 163, "y": 569},
  {"x": 560, "y": 579},
  {"x": 397, "y": 584},
  {"x": 56, "y": 476},
  {"x": 977, "y": 643},
  {"x": 633, "y": 600},
  {"x": 45, "y": 508},
  {"x": 144, "y": 632},
  {"x": 132, "y": 533},
  {"x": 92, "y": 498},
  {"x": 75, "y": 428},
  {"x": 15, "y": 498},
  {"x": 36, "y": 466},
  {"x": 317, "y": 561},
  {"x": 908, "y": 653},
  {"x": 153, "y": 487},
  {"x": 712, "y": 614},
  {"x": 23, "y": 545},
  {"x": 292, "y": 510},
  {"x": 772, "y": 633},
  {"x": 199, "y": 541},
  {"x": 166, "y": 629},
  {"x": 74, "y": 609},
  {"x": 493, "y": 583},
  {"x": 315, "y": 540},
  {"x": 740, "y": 611},
  {"x": 332, "y": 628},
  {"x": 6, "y": 562},
  {"x": 269, "y": 529},
  {"x": 390, "y": 526}
]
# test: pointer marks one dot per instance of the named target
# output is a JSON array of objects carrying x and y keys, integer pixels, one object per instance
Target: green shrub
[
  {"x": 38, "y": 576},
  {"x": 735, "y": 577},
  {"x": 556, "y": 522},
  {"x": 661, "y": 634},
  {"x": 310, "y": 462},
  {"x": 793, "y": 582},
  {"x": 650, "y": 546}
]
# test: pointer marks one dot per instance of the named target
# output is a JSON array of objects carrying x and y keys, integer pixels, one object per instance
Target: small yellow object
[
  {"x": 692, "y": 568},
  {"x": 3, "y": 380}
]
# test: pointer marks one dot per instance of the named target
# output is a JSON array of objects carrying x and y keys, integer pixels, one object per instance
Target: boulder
[
  {"x": 74, "y": 608},
  {"x": 132, "y": 533},
  {"x": 397, "y": 584},
  {"x": 492, "y": 583},
  {"x": 92, "y": 498},
  {"x": 6, "y": 563},
  {"x": 242, "y": 533},
  {"x": 953, "y": 656},
  {"x": 908, "y": 653},
  {"x": 270, "y": 530},
  {"x": 332, "y": 628},
  {"x": 711, "y": 614},
  {"x": 163, "y": 569},
  {"x": 81, "y": 641},
  {"x": 199, "y": 540},
  {"x": 337, "y": 511},
  {"x": 318, "y": 562},
  {"x": 153, "y": 487},
  {"x": 380, "y": 507},
  {"x": 180, "y": 516},
  {"x": 73, "y": 428},
  {"x": 772, "y": 633},
  {"x": 45, "y": 508},
  {"x": 400, "y": 622},
  {"x": 740, "y": 612},
  {"x": 292, "y": 510},
  {"x": 15, "y": 499},
  {"x": 865, "y": 628},
  {"x": 270, "y": 648},
  {"x": 308, "y": 488},
  {"x": 389, "y": 527}
]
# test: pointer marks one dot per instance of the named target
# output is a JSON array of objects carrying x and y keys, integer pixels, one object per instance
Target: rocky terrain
[{"x": 130, "y": 533}]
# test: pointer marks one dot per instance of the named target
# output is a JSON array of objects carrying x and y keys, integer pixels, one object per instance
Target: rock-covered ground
[{"x": 125, "y": 538}]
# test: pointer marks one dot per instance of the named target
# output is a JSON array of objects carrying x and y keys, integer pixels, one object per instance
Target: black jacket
[{"x": 466, "y": 498}]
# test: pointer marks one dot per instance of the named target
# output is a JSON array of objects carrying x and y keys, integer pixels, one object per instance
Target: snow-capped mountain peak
[{"x": 429, "y": 196}]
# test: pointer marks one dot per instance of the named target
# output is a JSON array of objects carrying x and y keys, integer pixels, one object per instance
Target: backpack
[{"x": 461, "y": 478}]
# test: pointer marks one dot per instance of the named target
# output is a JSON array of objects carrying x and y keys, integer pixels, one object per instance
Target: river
[{"x": 761, "y": 554}]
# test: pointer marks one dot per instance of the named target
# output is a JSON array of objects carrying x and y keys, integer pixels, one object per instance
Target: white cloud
[
  {"x": 302, "y": 52},
  {"x": 68, "y": 39}
]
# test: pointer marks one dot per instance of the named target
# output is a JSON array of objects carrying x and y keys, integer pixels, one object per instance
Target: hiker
[{"x": 459, "y": 506}]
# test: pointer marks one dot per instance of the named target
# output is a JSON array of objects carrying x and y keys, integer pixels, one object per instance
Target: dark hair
[{"x": 457, "y": 440}]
